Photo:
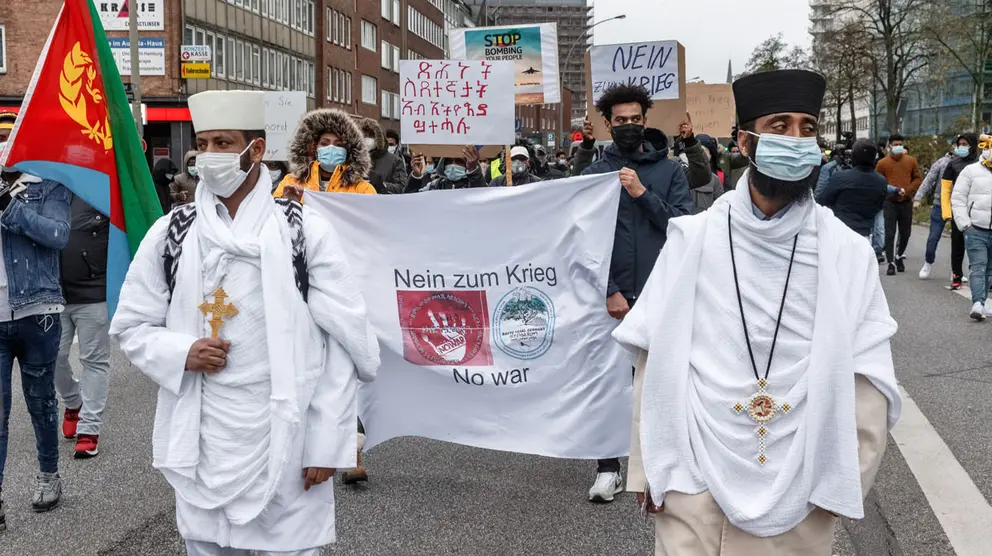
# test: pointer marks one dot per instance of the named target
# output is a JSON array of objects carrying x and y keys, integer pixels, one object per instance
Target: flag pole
[{"x": 132, "y": 33}]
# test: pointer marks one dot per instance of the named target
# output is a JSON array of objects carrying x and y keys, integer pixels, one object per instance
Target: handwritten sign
[
  {"x": 449, "y": 102},
  {"x": 711, "y": 107},
  {"x": 283, "y": 112},
  {"x": 653, "y": 65}
]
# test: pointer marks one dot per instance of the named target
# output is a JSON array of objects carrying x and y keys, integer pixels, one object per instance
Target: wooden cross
[{"x": 220, "y": 311}]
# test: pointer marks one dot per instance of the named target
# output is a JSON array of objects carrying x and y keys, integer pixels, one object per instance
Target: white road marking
[{"x": 960, "y": 507}]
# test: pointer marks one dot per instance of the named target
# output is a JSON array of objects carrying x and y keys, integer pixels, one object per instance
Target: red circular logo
[{"x": 447, "y": 330}]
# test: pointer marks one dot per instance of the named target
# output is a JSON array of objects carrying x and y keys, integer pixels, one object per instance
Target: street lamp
[{"x": 561, "y": 110}]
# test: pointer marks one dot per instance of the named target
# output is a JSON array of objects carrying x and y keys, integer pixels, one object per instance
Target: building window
[
  {"x": 219, "y": 56},
  {"x": 390, "y": 57},
  {"x": 347, "y": 88},
  {"x": 390, "y": 105},
  {"x": 239, "y": 61},
  {"x": 391, "y": 11},
  {"x": 187, "y": 35},
  {"x": 369, "y": 89},
  {"x": 369, "y": 40},
  {"x": 256, "y": 65},
  {"x": 347, "y": 29},
  {"x": 330, "y": 24},
  {"x": 198, "y": 37},
  {"x": 387, "y": 8},
  {"x": 396, "y": 12},
  {"x": 254, "y": 5},
  {"x": 341, "y": 92}
]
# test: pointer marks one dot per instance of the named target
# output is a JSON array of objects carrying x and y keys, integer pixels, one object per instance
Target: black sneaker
[
  {"x": 900, "y": 265},
  {"x": 892, "y": 270},
  {"x": 956, "y": 282},
  {"x": 881, "y": 259}
]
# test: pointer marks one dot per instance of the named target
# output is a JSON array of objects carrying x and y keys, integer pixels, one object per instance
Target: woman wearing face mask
[
  {"x": 449, "y": 173},
  {"x": 183, "y": 185},
  {"x": 388, "y": 174},
  {"x": 277, "y": 171},
  {"x": 327, "y": 154}
]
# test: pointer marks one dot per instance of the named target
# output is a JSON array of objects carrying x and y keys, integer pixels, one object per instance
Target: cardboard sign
[
  {"x": 652, "y": 65},
  {"x": 446, "y": 102},
  {"x": 533, "y": 49},
  {"x": 712, "y": 108},
  {"x": 666, "y": 114},
  {"x": 283, "y": 112}
]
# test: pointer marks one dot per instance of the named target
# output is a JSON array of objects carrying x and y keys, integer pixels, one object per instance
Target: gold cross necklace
[{"x": 761, "y": 406}]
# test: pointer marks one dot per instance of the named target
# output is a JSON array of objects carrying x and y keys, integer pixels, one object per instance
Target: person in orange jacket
[{"x": 327, "y": 154}]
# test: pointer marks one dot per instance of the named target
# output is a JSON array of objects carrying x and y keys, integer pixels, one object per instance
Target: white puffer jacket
[{"x": 971, "y": 199}]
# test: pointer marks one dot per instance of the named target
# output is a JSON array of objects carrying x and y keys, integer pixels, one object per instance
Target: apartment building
[{"x": 342, "y": 53}]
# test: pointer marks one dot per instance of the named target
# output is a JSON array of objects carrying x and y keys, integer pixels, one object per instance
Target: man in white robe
[
  {"x": 251, "y": 421},
  {"x": 764, "y": 387}
]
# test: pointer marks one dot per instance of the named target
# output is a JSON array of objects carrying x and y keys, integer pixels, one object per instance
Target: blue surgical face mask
[
  {"x": 191, "y": 170},
  {"x": 331, "y": 156},
  {"x": 898, "y": 150},
  {"x": 454, "y": 172},
  {"x": 786, "y": 158},
  {"x": 429, "y": 169},
  {"x": 962, "y": 151}
]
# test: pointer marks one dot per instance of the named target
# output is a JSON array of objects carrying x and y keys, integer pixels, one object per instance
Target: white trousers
[{"x": 200, "y": 548}]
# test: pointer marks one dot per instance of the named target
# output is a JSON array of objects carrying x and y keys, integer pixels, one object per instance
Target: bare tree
[
  {"x": 843, "y": 57},
  {"x": 964, "y": 32},
  {"x": 897, "y": 45},
  {"x": 775, "y": 54}
]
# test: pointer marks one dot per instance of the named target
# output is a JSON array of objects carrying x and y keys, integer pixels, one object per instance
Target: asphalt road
[{"x": 431, "y": 498}]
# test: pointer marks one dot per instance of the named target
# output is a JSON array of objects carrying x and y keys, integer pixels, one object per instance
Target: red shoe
[
  {"x": 69, "y": 422},
  {"x": 86, "y": 446}
]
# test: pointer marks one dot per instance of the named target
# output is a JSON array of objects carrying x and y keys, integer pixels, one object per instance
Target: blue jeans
[
  {"x": 34, "y": 342},
  {"x": 978, "y": 243},
  {"x": 937, "y": 225},
  {"x": 878, "y": 234}
]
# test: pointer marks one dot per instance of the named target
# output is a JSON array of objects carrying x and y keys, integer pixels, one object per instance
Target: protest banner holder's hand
[
  {"x": 508, "y": 173},
  {"x": 417, "y": 165},
  {"x": 685, "y": 128},
  {"x": 587, "y": 131}
]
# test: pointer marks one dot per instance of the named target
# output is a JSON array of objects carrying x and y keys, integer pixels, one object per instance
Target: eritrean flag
[{"x": 75, "y": 127}]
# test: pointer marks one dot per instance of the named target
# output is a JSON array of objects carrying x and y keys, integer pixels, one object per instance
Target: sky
[{"x": 710, "y": 30}]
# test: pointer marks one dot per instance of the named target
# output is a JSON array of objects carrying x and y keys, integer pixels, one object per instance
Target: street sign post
[
  {"x": 195, "y": 70},
  {"x": 194, "y": 53}
]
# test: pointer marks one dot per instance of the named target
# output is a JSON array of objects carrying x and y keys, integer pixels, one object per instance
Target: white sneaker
[
  {"x": 925, "y": 271},
  {"x": 964, "y": 279},
  {"x": 978, "y": 311},
  {"x": 606, "y": 485},
  {"x": 988, "y": 308}
]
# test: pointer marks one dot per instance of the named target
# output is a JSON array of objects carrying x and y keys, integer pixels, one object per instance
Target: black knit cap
[{"x": 774, "y": 92}]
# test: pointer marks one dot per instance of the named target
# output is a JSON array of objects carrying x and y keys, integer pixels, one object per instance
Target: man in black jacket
[
  {"x": 84, "y": 282},
  {"x": 856, "y": 194},
  {"x": 542, "y": 167},
  {"x": 655, "y": 189}
]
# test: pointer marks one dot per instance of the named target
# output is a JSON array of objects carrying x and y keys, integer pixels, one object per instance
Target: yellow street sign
[{"x": 196, "y": 70}]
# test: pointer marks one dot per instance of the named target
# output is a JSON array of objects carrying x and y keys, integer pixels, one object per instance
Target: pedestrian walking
[
  {"x": 34, "y": 226},
  {"x": 856, "y": 194},
  {"x": 903, "y": 172},
  {"x": 655, "y": 190},
  {"x": 183, "y": 186},
  {"x": 328, "y": 154},
  {"x": 84, "y": 284},
  {"x": 755, "y": 430},
  {"x": 947, "y": 183},
  {"x": 255, "y": 339},
  {"x": 971, "y": 205},
  {"x": 388, "y": 173},
  {"x": 929, "y": 192}
]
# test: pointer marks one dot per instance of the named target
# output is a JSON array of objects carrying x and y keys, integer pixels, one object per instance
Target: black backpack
[{"x": 182, "y": 218}]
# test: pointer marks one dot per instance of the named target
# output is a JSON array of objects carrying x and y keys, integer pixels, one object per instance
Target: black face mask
[{"x": 628, "y": 137}]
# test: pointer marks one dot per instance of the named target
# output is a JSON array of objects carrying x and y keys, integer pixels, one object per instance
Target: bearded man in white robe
[
  {"x": 256, "y": 333},
  {"x": 764, "y": 388}
]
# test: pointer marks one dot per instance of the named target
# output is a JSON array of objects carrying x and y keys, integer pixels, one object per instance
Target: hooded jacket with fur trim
[
  {"x": 388, "y": 174},
  {"x": 350, "y": 177}
]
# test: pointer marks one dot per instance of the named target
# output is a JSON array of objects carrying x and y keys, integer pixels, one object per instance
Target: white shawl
[
  {"x": 851, "y": 332},
  {"x": 260, "y": 232}
]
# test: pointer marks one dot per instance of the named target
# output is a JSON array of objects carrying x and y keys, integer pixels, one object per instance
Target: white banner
[
  {"x": 446, "y": 102},
  {"x": 653, "y": 65},
  {"x": 490, "y": 308},
  {"x": 533, "y": 49}
]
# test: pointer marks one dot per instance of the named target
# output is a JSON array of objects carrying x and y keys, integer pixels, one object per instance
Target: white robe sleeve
[
  {"x": 335, "y": 300},
  {"x": 139, "y": 323},
  {"x": 331, "y": 437}
]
